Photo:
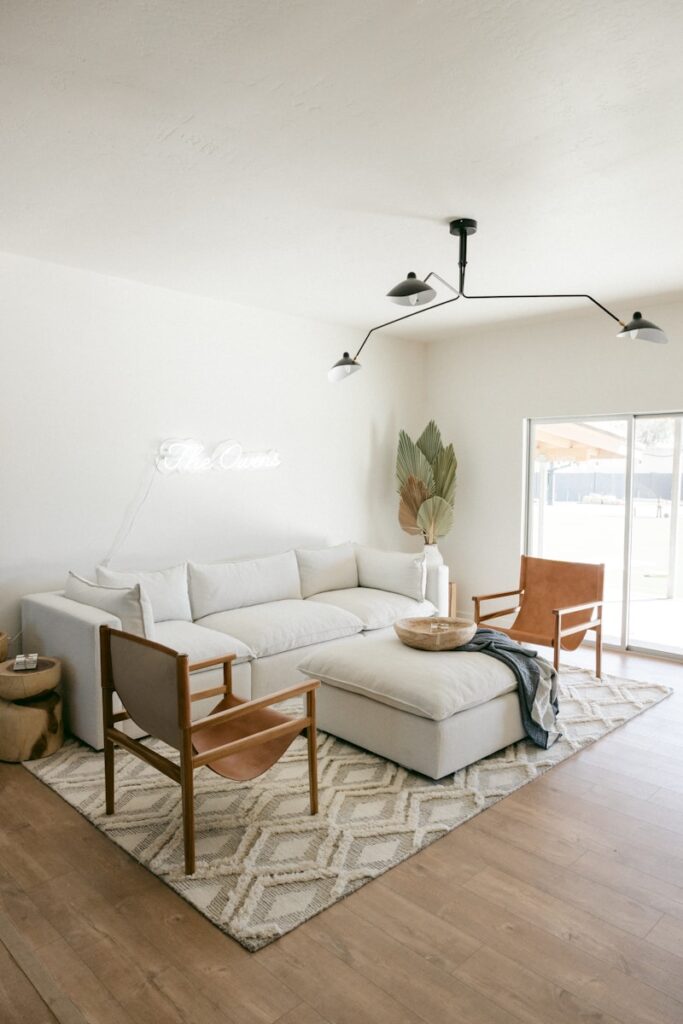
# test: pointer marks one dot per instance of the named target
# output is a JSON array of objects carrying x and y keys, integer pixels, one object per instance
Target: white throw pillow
[
  {"x": 227, "y": 585},
  {"x": 166, "y": 589},
  {"x": 324, "y": 569},
  {"x": 394, "y": 571},
  {"x": 129, "y": 604}
]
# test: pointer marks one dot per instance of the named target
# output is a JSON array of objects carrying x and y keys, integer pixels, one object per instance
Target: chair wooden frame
[
  {"x": 594, "y": 623},
  {"x": 183, "y": 773}
]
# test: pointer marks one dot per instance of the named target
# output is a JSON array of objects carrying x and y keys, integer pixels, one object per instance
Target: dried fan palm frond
[
  {"x": 410, "y": 461},
  {"x": 435, "y": 518},
  {"x": 426, "y": 471},
  {"x": 444, "y": 468},
  {"x": 429, "y": 442},
  {"x": 413, "y": 495}
]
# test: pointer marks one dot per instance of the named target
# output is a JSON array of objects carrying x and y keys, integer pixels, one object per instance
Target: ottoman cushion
[{"x": 430, "y": 684}]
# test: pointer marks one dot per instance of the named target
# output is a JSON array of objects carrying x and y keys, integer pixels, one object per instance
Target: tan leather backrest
[
  {"x": 549, "y": 584},
  {"x": 145, "y": 679}
]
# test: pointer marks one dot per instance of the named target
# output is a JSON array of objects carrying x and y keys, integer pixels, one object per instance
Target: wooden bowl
[{"x": 437, "y": 634}]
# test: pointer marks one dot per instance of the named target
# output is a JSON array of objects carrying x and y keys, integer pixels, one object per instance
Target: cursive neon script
[{"x": 187, "y": 456}]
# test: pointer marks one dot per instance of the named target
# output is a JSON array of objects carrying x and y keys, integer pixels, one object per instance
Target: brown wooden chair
[
  {"x": 239, "y": 739},
  {"x": 558, "y": 603}
]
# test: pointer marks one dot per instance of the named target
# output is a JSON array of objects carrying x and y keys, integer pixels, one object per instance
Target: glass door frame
[{"x": 630, "y": 419}]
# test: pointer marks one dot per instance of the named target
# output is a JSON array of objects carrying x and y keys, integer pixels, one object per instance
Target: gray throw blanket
[{"x": 536, "y": 682}]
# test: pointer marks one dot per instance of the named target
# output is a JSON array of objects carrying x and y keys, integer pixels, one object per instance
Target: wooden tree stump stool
[{"x": 30, "y": 711}]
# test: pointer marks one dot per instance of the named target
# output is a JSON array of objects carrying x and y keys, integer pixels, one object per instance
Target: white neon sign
[{"x": 178, "y": 455}]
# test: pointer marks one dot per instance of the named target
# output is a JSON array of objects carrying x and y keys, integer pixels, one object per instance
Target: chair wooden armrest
[
  {"x": 578, "y": 627},
  {"x": 479, "y": 618},
  {"x": 223, "y": 660},
  {"x": 503, "y": 593},
  {"x": 226, "y": 661},
  {"x": 255, "y": 705},
  {"x": 495, "y": 615},
  {"x": 578, "y": 607}
]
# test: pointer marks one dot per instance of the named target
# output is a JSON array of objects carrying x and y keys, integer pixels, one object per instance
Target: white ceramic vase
[{"x": 436, "y": 589}]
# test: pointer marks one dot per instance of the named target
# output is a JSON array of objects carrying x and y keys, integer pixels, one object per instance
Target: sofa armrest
[{"x": 54, "y": 625}]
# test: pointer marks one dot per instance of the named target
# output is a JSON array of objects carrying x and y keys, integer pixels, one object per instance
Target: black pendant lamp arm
[
  {"x": 462, "y": 264},
  {"x": 554, "y": 295},
  {"x": 407, "y": 316},
  {"x": 452, "y": 288}
]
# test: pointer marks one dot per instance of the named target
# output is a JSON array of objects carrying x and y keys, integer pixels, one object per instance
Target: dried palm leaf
[
  {"x": 444, "y": 468},
  {"x": 435, "y": 518},
  {"x": 413, "y": 494},
  {"x": 429, "y": 442},
  {"x": 410, "y": 461}
]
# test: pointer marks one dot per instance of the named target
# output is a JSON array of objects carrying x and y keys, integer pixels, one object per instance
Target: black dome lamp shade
[
  {"x": 643, "y": 330},
  {"x": 412, "y": 292},
  {"x": 343, "y": 368}
]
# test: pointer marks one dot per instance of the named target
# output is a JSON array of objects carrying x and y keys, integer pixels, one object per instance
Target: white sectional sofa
[{"x": 266, "y": 611}]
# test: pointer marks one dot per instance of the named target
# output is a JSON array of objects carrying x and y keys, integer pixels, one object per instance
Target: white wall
[
  {"x": 482, "y": 386},
  {"x": 96, "y": 371}
]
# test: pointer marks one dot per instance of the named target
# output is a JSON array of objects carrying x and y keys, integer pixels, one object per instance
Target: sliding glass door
[
  {"x": 609, "y": 490},
  {"x": 656, "y": 584}
]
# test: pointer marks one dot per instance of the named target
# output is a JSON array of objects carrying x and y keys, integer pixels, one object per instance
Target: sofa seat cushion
[
  {"x": 430, "y": 684},
  {"x": 200, "y": 643},
  {"x": 376, "y": 608},
  {"x": 283, "y": 625}
]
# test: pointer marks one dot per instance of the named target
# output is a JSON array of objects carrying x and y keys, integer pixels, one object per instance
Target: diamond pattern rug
[{"x": 264, "y": 865}]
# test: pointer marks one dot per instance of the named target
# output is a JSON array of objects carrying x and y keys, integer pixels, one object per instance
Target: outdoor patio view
[{"x": 609, "y": 490}]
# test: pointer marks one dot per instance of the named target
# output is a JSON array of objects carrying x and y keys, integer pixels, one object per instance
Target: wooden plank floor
[{"x": 563, "y": 904}]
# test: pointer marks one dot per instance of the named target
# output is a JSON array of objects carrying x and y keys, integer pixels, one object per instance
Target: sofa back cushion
[
  {"x": 227, "y": 585},
  {"x": 129, "y": 604},
  {"x": 166, "y": 589},
  {"x": 325, "y": 569},
  {"x": 394, "y": 571}
]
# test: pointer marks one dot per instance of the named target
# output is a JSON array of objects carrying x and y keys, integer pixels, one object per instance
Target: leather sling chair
[
  {"x": 558, "y": 603},
  {"x": 238, "y": 740}
]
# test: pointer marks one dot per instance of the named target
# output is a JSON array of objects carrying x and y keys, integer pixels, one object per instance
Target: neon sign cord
[{"x": 130, "y": 518}]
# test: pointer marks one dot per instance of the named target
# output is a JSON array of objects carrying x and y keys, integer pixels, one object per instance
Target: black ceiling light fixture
[
  {"x": 414, "y": 292},
  {"x": 411, "y": 292},
  {"x": 344, "y": 367},
  {"x": 643, "y": 329}
]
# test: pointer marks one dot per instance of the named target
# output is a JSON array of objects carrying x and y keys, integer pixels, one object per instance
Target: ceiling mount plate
[{"x": 463, "y": 225}]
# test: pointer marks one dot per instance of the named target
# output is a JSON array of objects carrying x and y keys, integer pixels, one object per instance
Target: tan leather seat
[{"x": 558, "y": 603}]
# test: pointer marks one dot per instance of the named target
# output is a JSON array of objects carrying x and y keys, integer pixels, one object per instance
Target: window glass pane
[{"x": 656, "y": 603}]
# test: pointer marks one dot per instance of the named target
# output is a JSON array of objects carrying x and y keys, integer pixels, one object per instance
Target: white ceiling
[{"x": 303, "y": 155}]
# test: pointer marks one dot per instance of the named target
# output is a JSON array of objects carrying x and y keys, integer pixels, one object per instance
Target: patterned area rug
[{"x": 264, "y": 865}]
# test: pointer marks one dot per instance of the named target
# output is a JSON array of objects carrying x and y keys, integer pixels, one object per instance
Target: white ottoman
[{"x": 433, "y": 712}]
